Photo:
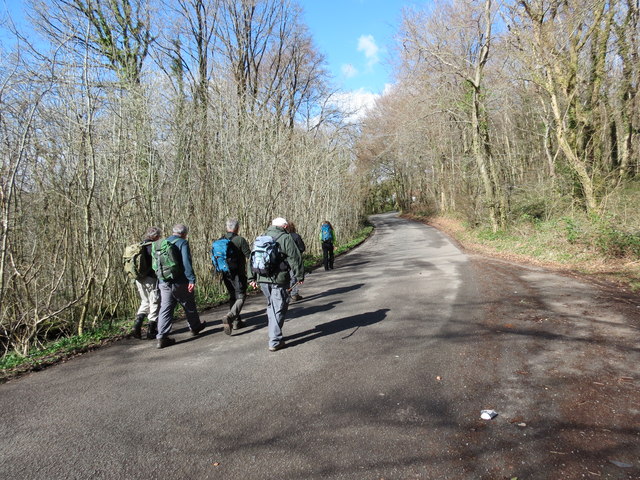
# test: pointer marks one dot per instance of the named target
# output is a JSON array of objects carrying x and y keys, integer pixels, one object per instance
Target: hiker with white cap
[{"x": 273, "y": 255}]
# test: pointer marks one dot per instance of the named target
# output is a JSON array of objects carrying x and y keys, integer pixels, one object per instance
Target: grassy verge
[
  {"x": 13, "y": 364},
  {"x": 586, "y": 246}
]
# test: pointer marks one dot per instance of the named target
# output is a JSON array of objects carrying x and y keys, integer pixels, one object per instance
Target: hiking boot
[
  {"x": 137, "y": 327},
  {"x": 165, "y": 342},
  {"x": 226, "y": 324},
  {"x": 238, "y": 324},
  {"x": 277, "y": 347},
  {"x": 297, "y": 298},
  {"x": 152, "y": 330},
  {"x": 197, "y": 330}
]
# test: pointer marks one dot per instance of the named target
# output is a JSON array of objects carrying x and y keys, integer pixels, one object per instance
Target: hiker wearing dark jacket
[
  {"x": 275, "y": 287},
  {"x": 148, "y": 291},
  {"x": 328, "y": 238},
  {"x": 294, "y": 289},
  {"x": 236, "y": 280},
  {"x": 179, "y": 290}
]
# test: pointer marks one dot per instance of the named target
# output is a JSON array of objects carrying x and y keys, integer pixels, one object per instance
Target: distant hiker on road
[
  {"x": 274, "y": 253},
  {"x": 328, "y": 238},
  {"x": 137, "y": 260},
  {"x": 177, "y": 283},
  {"x": 229, "y": 255},
  {"x": 294, "y": 286}
]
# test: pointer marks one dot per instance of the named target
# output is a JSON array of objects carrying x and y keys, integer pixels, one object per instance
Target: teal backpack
[
  {"x": 326, "y": 233},
  {"x": 224, "y": 255}
]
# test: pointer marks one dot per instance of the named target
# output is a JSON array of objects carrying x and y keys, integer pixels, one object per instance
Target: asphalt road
[{"x": 390, "y": 358}]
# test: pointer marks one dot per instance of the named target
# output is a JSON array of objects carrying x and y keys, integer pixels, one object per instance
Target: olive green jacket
[
  {"x": 243, "y": 247},
  {"x": 292, "y": 257}
]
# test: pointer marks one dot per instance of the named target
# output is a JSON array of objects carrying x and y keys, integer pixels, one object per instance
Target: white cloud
[
  {"x": 388, "y": 88},
  {"x": 355, "y": 103},
  {"x": 349, "y": 71},
  {"x": 367, "y": 45}
]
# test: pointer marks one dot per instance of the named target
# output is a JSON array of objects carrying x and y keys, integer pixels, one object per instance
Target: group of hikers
[{"x": 164, "y": 276}]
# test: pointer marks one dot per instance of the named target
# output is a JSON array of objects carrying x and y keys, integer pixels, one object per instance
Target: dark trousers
[
  {"x": 236, "y": 285},
  {"x": 327, "y": 255}
]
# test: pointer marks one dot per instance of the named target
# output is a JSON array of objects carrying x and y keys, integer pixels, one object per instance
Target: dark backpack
[
  {"x": 224, "y": 255},
  {"x": 266, "y": 257},
  {"x": 167, "y": 260},
  {"x": 326, "y": 233},
  {"x": 137, "y": 264}
]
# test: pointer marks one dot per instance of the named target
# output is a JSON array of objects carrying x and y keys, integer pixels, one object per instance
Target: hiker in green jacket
[
  {"x": 275, "y": 286},
  {"x": 235, "y": 281}
]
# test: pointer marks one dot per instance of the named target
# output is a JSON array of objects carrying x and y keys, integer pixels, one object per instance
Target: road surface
[{"x": 390, "y": 359}]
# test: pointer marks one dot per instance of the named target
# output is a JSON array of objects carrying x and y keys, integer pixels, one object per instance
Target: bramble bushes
[{"x": 613, "y": 241}]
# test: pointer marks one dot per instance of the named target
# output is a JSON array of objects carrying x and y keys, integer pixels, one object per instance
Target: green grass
[
  {"x": 58, "y": 349},
  {"x": 597, "y": 246}
]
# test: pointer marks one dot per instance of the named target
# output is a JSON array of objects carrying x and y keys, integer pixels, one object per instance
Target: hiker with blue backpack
[
  {"x": 273, "y": 255},
  {"x": 177, "y": 283},
  {"x": 229, "y": 255},
  {"x": 327, "y": 238}
]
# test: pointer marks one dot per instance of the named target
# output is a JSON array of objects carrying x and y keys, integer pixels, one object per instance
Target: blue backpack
[
  {"x": 326, "y": 233},
  {"x": 224, "y": 255}
]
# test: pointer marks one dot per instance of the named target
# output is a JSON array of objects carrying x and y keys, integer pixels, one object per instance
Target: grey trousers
[
  {"x": 277, "y": 306},
  {"x": 295, "y": 289},
  {"x": 170, "y": 295}
]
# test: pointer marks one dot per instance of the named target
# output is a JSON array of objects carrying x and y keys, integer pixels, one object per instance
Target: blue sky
[{"x": 354, "y": 36}]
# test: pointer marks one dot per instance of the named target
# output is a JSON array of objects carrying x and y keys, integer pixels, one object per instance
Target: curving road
[{"x": 390, "y": 358}]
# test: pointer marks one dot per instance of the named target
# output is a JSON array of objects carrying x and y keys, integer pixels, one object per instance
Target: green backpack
[
  {"x": 136, "y": 261},
  {"x": 167, "y": 260}
]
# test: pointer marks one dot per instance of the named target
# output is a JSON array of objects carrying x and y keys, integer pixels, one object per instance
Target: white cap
[{"x": 279, "y": 222}]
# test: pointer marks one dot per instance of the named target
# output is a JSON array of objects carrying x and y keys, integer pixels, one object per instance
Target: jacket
[
  {"x": 243, "y": 247},
  {"x": 298, "y": 241},
  {"x": 292, "y": 257},
  {"x": 147, "y": 253}
]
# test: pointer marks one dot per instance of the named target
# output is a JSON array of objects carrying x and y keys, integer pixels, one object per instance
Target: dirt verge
[{"x": 565, "y": 348}]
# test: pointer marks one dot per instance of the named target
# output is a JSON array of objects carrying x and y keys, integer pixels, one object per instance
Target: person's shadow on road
[
  {"x": 257, "y": 323},
  {"x": 332, "y": 291},
  {"x": 341, "y": 324}
]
